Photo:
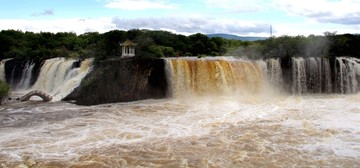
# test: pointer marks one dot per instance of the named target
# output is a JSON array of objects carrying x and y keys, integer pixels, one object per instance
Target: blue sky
[{"x": 240, "y": 17}]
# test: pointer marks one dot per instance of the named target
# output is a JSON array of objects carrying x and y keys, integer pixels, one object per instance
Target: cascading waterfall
[
  {"x": 169, "y": 80},
  {"x": 73, "y": 79},
  {"x": 211, "y": 76},
  {"x": 214, "y": 76},
  {"x": 298, "y": 75},
  {"x": 12, "y": 75},
  {"x": 52, "y": 74},
  {"x": 311, "y": 75},
  {"x": 348, "y": 74},
  {"x": 26, "y": 76},
  {"x": 274, "y": 72},
  {"x": 58, "y": 77},
  {"x": 2, "y": 70},
  {"x": 327, "y": 81},
  {"x": 19, "y": 74},
  {"x": 255, "y": 130}
]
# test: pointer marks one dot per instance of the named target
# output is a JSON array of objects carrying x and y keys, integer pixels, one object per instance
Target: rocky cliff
[{"x": 122, "y": 80}]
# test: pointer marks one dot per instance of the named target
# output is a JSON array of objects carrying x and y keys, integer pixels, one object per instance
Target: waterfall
[
  {"x": 26, "y": 76},
  {"x": 52, "y": 74},
  {"x": 206, "y": 76},
  {"x": 58, "y": 76},
  {"x": 274, "y": 72},
  {"x": 298, "y": 75},
  {"x": 2, "y": 70},
  {"x": 12, "y": 82},
  {"x": 348, "y": 74},
  {"x": 201, "y": 77},
  {"x": 17, "y": 73},
  {"x": 73, "y": 79},
  {"x": 311, "y": 75},
  {"x": 169, "y": 72},
  {"x": 304, "y": 75},
  {"x": 327, "y": 81}
]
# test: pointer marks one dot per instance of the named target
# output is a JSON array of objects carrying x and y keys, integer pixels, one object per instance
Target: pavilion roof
[{"x": 128, "y": 43}]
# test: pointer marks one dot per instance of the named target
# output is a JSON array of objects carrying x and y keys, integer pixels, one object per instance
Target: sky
[{"x": 238, "y": 17}]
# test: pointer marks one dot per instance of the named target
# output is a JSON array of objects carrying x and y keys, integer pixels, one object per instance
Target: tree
[
  {"x": 199, "y": 44},
  {"x": 4, "y": 90},
  {"x": 155, "y": 44},
  {"x": 111, "y": 42},
  {"x": 219, "y": 45}
]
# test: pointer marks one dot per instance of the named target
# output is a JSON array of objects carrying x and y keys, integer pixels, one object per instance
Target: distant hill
[{"x": 235, "y": 37}]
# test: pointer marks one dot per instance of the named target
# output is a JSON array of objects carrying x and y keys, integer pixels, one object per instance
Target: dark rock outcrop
[{"x": 122, "y": 80}]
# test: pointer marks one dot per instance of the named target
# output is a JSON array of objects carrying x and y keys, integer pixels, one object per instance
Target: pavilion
[{"x": 128, "y": 48}]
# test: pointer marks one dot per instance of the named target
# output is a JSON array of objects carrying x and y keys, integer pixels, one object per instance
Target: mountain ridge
[{"x": 236, "y": 37}]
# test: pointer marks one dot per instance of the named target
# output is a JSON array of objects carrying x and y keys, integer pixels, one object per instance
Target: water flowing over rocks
[
  {"x": 58, "y": 77},
  {"x": 296, "y": 75},
  {"x": 122, "y": 80},
  {"x": 20, "y": 74},
  {"x": 214, "y": 116},
  {"x": 130, "y": 79}
]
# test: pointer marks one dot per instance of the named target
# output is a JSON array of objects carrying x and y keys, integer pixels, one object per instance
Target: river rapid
[{"x": 253, "y": 131}]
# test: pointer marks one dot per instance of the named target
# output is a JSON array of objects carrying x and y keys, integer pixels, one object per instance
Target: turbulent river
[
  {"x": 279, "y": 131},
  {"x": 208, "y": 122}
]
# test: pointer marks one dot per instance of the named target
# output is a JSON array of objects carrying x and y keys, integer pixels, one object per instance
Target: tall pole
[{"x": 270, "y": 30}]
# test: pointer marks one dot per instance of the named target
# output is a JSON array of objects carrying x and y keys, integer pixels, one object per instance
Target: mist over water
[
  {"x": 204, "y": 132},
  {"x": 223, "y": 112}
]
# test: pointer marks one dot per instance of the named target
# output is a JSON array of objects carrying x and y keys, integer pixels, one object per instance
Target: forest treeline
[
  {"x": 153, "y": 44},
  {"x": 157, "y": 44}
]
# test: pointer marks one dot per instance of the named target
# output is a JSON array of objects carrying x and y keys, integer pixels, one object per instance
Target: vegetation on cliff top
[{"x": 157, "y": 44}]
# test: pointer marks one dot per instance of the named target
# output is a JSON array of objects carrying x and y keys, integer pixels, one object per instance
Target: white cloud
[
  {"x": 139, "y": 4},
  {"x": 339, "y": 12},
  {"x": 198, "y": 24},
  {"x": 310, "y": 27},
  {"x": 76, "y": 25},
  {"x": 183, "y": 25},
  {"x": 44, "y": 13},
  {"x": 177, "y": 24},
  {"x": 239, "y": 5}
]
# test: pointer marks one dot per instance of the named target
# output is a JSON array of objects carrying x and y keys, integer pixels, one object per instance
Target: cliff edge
[{"x": 122, "y": 80}]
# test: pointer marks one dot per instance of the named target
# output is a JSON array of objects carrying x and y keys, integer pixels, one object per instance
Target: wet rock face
[{"x": 122, "y": 80}]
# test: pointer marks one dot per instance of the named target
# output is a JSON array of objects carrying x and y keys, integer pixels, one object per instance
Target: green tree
[
  {"x": 219, "y": 45},
  {"x": 4, "y": 90},
  {"x": 199, "y": 44},
  {"x": 111, "y": 42}
]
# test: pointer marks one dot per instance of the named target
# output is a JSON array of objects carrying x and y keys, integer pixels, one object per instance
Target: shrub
[{"x": 4, "y": 90}]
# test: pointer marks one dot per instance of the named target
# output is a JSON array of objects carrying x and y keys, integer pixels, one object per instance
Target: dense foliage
[
  {"x": 43, "y": 45},
  {"x": 4, "y": 90},
  {"x": 157, "y": 44},
  {"x": 328, "y": 45}
]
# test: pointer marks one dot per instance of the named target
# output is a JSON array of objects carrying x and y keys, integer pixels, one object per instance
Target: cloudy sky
[{"x": 240, "y": 17}]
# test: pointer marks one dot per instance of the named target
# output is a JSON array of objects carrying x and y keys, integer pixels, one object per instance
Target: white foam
[{"x": 65, "y": 131}]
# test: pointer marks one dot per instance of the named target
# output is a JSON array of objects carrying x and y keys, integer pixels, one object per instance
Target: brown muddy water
[{"x": 280, "y": 131}]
